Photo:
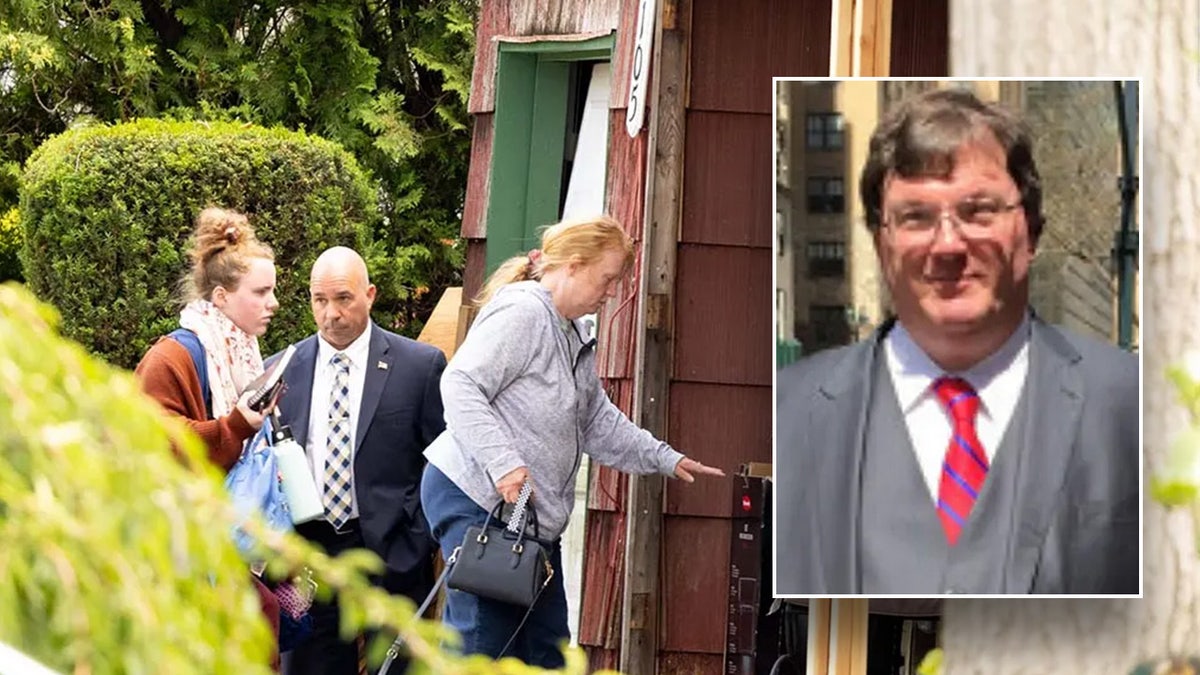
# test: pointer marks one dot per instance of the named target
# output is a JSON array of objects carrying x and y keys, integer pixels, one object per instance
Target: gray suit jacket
[{"x": 1076, "y": 519}]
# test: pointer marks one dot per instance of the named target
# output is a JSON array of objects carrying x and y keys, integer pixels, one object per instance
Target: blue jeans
[{"x": 486, "y": 625}]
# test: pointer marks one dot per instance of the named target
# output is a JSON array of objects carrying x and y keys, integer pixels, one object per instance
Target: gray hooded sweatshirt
[{"x": 522, "y": 390}]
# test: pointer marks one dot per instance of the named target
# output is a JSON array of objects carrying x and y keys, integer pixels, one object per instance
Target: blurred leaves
[
  {"x": 117, "y": 556},
  {"x": 932, "y": 663},
  {"x": 1178, "y": 483},
  {"x": 111, "y": 560}
]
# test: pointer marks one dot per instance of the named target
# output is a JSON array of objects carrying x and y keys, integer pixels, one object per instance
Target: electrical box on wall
[{"x": 747, "y": 551}]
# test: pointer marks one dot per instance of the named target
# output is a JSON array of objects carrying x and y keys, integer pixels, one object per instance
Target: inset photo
[{"x": 957, "y": 387}]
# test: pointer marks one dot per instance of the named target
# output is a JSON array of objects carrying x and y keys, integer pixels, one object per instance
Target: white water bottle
[{"x": 304, "y": 501}]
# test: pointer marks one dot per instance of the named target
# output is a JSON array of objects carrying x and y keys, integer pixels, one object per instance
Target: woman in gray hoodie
[{"x": 522, "y": 402}]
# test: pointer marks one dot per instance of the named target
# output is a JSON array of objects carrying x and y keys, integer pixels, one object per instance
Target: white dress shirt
[
  {"x": 318, "y": 418},
  {"x": 998, "y": 380}
]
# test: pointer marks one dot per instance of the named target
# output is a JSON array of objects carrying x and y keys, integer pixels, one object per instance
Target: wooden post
[
  {"x": 640, "y": 630},
  {"x": 848, "y": 637},
  {"x": 860, "y": 38},
  {"x": 818, "y": 636},
  {"x": 874, "y": 38},
  {"x": 837, "y": 636}
]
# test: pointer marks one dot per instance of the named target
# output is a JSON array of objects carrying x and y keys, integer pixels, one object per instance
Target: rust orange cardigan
[{"x": 168, "y": 375}]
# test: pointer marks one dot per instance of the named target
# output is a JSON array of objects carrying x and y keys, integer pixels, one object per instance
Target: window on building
[
  {"x": 828, "y": 325},
  {"x": 781, "y": 152},
  {"x": 824, "y": 131},
  {"x": 780, "y": 233},
  {"x": 781, "y": 311},
  {"x": 826, "y": 195},
  {"x": 826, "y": 259}
]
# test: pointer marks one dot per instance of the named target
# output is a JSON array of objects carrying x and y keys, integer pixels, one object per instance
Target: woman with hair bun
[{"x": 229, "y": 296}]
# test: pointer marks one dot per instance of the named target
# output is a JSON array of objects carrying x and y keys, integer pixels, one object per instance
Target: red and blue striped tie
[{"x": 966, "y": 465}]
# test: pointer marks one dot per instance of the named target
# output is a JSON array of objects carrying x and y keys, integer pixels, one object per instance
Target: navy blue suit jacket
[{"x": 401, "y": 413}]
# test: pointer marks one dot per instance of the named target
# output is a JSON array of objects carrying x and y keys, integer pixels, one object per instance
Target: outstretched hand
[{"x": 687, "y": 466}]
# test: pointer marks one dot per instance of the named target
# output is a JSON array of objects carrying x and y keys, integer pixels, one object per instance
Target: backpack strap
[{"x": 191, "y": 342}]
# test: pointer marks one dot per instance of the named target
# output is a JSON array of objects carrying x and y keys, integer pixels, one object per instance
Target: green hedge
[{"x": 107, "y": 212}]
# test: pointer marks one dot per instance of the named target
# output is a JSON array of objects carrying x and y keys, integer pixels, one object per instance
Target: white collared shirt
[
  {"x": 318, "y": 417},
  {"x": 998, "y": 379}
]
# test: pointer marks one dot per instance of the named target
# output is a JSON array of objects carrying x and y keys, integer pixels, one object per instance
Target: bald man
[{"x": 364, "y": 403}]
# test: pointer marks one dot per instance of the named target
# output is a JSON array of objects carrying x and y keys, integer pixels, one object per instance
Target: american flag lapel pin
[{"x": 381, "y": 365}]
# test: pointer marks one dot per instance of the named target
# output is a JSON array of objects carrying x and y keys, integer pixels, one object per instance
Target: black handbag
[
  {"x": 497, "y": 561},
  {"x": 504, "y": 562}
]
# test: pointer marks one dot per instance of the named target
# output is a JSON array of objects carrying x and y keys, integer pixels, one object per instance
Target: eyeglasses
[{"x": 974, "y": 217}]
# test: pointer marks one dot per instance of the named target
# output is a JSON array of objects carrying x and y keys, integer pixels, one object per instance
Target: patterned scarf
[{"x": 233, "y": 356}]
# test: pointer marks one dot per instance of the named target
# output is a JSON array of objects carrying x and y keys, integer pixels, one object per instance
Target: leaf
[
  {"x": 1179, "y": 481},
  {"x": 1173, "y": 493},
  {"x": 932, "y": 663}
]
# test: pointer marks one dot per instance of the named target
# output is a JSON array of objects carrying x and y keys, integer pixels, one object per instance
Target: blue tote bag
[
  {"x": 253, "y": 482},
  {"x": 253, "y": 485}
]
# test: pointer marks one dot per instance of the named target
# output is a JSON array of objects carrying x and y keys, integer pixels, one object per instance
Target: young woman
[{"x": 230, "y": 299}]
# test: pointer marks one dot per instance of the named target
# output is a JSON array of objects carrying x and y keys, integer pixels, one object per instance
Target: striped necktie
[
  {"x": 966, "y": 465},
  {"x": 337, "y": 462}
]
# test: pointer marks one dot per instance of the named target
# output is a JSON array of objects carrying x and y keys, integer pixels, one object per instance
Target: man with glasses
[{"x": 966, "y": 446}]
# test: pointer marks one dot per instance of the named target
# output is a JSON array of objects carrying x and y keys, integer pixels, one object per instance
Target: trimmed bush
[{"x": 107, "y": 212}]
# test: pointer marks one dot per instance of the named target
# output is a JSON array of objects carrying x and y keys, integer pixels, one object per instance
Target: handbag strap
[
  {"x": 516, "y": 521},
  {"x": 393, "y": 651},
  {"x": 522, "y": 514},
  {"x": 526, "y": 617}
]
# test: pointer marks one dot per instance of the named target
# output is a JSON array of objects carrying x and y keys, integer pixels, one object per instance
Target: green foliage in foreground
[
  {"x": 116, "y": 556},
  {"x": 932, "y": 663},
  {"x": 1178, "y": 482}
]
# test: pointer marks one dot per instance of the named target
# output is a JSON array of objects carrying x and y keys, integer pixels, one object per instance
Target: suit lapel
[
  {"x": 838, "y": 419},
  {"x": 1056, "y": 397},
  {"x": 376, "y": 371},
  {"x": 296, "y": 402}
]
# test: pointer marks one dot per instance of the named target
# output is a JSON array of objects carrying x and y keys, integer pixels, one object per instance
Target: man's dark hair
[{"x": 918, "y": 138}]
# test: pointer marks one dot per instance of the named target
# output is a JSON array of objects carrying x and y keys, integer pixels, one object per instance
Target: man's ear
[{"x": 370, "y": 295}]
